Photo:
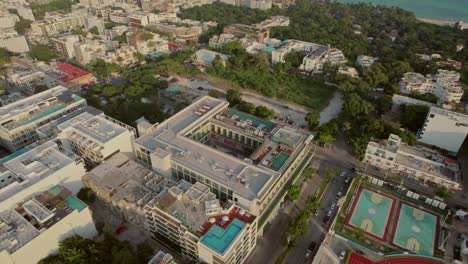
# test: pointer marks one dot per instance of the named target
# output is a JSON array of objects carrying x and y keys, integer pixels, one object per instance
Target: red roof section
[
  {"x": 71, "y": 72},
  {"x": 233, "y": 214},
  {"x": 409, "y": 259}
]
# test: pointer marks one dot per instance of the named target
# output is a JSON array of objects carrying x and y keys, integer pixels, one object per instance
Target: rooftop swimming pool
[
  {"x": 371, "y": 212},
  {"x": 219, "y": 239},
  {"x": 278, "y": 161},
  {"x": 416, "y": 230}
]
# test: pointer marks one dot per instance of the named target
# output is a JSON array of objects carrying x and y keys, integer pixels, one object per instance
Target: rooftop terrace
[{"x": 23, "y": 223}]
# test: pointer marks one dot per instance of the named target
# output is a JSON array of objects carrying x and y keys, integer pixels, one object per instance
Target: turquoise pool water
[
  {"x": 56, "y": 190},
  {"x": 371, "y": 216},
  {"x": 411, "y": 228},
  {"x": 74, "y": 203},
  {"x": 219, "y": 239},
  {"x": 278, "y": 161},
  {"x": 255, "y": 120}
]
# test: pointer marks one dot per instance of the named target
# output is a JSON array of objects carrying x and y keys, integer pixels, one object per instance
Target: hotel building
[
  {"x": 414, "y": 162},
  {"x": 19, "y": 120}
]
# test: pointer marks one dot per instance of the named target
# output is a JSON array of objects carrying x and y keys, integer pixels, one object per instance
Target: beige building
[{"x": 64, "y": 45}]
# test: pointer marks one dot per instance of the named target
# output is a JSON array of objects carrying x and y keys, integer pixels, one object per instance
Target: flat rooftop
[
  {"x": 33, "y": 164},
  {"x": 121, "y": 179},
  {"x": 21, "y": 224},
  {"x": 171, "y": 137},
  {"x": 36, "y": 107},
  {"x": 70, "y": 72}
]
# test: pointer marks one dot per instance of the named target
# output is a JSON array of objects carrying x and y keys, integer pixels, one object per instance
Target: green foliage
[
  {"x": 176, "y": 63},
  {"x": 104, "y": 70},
  {"x": 228, "y": 14},
  {"x": 122, "y": 39},
  {"x": 428, "y": 97},
  {"x": 94, "y": 30},
  {"x": 310, "y": 173},
  {"x": 86, "y": 195},
  {"x": 211, "y": 31},
  {"x": 42, "y": 53},
  {"x": 233, "y": 97},
  {"x": 412, "y": 117},
  {"x": 264, "y": 112},
  {"x": 63, "y": 6},
  {"x": 4, "y": 56},
  {"x": 214, "y": 93},
  {"x": 246, "y": 107},
  {"x": 356, "y": 106},
  {"x": 23, "y": 25},
  {"x": 331, "y": 172},
  {"x": 40, "y": 88},
  {"x": 383, "y": 104},
  {"x": 146, "y": 36},
  {"x": 312, "y": 120},
  {"x": 294, "y": 192},
  {"x": 298, "y": 227}
]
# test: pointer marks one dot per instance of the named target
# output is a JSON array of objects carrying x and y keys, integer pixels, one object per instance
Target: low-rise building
[
  {"x": 32, "y": 229},
  {"x": 8, "y": 20},
  {"x": 95, "y": 138},
  {"x": 38, "y": 167},
  {"x": 274, "y": 21},
  {"x": 220, "y": 41},
  {"x": 19, "y": 120},
  {"x": 350, "y": 71},
  {"x": 28, "y": 79},
  {"x": 149, "y": 43},
  {"x": 444, "y": 129},
  {"x": 205, "y": 57},
  {"x": 73, "y": 76},
  {"x": 13, "y": 42},
  {"x": 444, "y": 84},
  {"x": 124, "y": 55},
  {"x": 241, "y": 31},
  {"x": 89, "y": 51},
  {"x": 414, "y": 162},
  {"x": 365, "y": 61},
  {"x": 125, "y": 187}
]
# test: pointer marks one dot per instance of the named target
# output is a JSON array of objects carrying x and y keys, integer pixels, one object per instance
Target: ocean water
[{"x": 454, "y": 10}]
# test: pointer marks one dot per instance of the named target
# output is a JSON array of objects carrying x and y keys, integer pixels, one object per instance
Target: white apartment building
[
  {"x": 444, "y": 129},
  {"x": 365, "y": 61},
  {"x": 190, "y": 217},
  {"x": 10, "y": 40},
  {"x": 26, "y": 13},
  {"x": 64, "y": 45},
  {"x": 32, "y": 229},
  {"x": 38, "y": 167},
  {"x": 8, "y": 20},
  {"x": 19, "y": 120},
  {"x": 220, "y": 41},
  {"x": 316, "y": 55},
  {"x": 185, "y": 147},
  {"x": 140, "y": 19},
  {"x": 125, "y": 55},
  {"x": 90, "y": 50},
  {"x": 27, "y": 79},
  {"x": 95, "y": 138},
  {"x": 414, "y": 162},
  {"x": 157, "y": 44},
  {"x": 55, "y": 24},
  {"x": 444, "y": 84}
]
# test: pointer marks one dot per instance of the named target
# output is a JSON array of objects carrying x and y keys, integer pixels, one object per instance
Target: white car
[
  {"x": 308, "y": 253},
  {"x": 342, "y": 255},
  {"x": 343, "y": 173}
]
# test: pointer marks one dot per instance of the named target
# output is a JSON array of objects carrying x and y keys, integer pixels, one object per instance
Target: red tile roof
[{"x": 71, "y": 72}]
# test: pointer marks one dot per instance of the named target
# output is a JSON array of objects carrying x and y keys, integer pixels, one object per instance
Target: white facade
[
  {"x": 56, "y": 24},
  {"x": 444, "y": 84},
  {"x": 29, "y": 79},
  {"x": 444, "y": 129},
  {"x": 65, "y": 45},
  {"x": 19, "y": 120},
  {"x": 125, "y": 55},
  {"x": 10, "y": 40},
  {"x": 37, "y": 169},
  {"x": 155, "y": 45},
  {"x": 27, "y": 244},
  {"x": 96, "y": 138},
  {"x": 25, "y": 13},
  {"x": 414, "y": 162},
  {"x": 8, "y": 20}
]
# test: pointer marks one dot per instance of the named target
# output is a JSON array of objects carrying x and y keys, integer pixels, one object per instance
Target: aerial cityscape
[{"x": 222, "y": 131}]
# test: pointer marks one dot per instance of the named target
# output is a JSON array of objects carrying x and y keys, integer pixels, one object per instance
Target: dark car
[{"x": 312, "y": 245}]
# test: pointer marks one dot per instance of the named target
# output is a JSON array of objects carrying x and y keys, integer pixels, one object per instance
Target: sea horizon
[{"x": 436, "y": 10}]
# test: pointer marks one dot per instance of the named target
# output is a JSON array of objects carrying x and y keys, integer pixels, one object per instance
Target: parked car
[
  {"x": 332, "y": 207},
  {"x": 329, "y": 213},
  {"x": 342, "y": 255},
  {"x": 308, "y": 254},
  {"x": 339, "y": 194},
  {"x": 326, "y": 219},
  {"x": 343, "y": 173},
  {"x": 312, "y": 245},
  {"x": 347, "y": 180}
]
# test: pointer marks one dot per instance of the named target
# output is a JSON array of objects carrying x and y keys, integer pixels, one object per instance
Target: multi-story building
[
  {"x": 95, "y": 138},
  {"x": 119, "y": 17},
  {"x": 32, "y": 229},
  {"x": 146, "y": 43},
  {"x": 258, "y": 4},
  {"x": 65, "y": 45},
  {"x": 10, "y": 40},
  {"x": 316, "y": 55},
  {"x": 241, "y": 30},
  {"x": 444, "y": 84},
  {"x": 55, "y": 24},
  {"x": 8, "y": 20},
  {"x": 414, "y": 162},
  {"x": 19, "y": 120},
  {"x": 220, "y": 41},
  {"x": 188, "y": 216},
  {"x": 240, "y": 157},
  {"x": 125, "y": 55},
  {"x": 27, "y": 79},
  {"x": 444, "y": 129},
  {"x": 365, "y": 61},
  {"x": 125, "y": 187},
  {"x": 162, "y": 258},
  {"x": 25, "y": 13},
  {"x": 72, "y": 76},
  {"x": 140, "y": 19},
  {"x": 274, "y": 21},
  {"x": 90, "y": 50},
  {"x": 38, "y": 167}
]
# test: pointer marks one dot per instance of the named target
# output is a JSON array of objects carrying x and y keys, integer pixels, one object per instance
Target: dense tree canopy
[
  {"x": 42, "y": 53},
  {"x": 4, "y": 56}
]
